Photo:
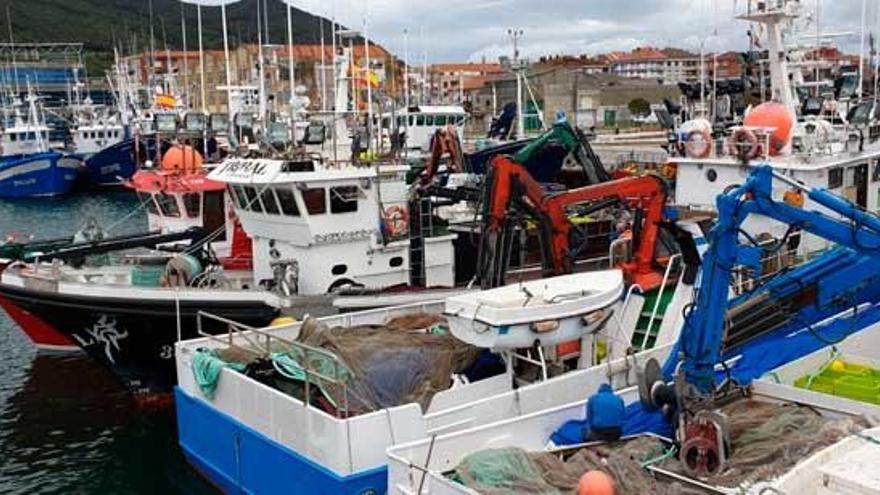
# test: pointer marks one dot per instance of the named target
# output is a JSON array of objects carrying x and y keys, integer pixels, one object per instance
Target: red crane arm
[{"x": 509, "y": 180}]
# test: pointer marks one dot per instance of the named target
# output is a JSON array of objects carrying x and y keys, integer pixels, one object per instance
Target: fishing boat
[{"x": 28, "y": 167}]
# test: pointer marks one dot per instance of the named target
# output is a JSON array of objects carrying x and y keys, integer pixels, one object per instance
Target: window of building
[
  {"x": 269, "y": 202},
  {"x": 315, "y": 201},
  {"x": 192, "y": 202},
  {"x": 344, "y": 199},
  {"x": 167, "y": 205},
  {"x": 287, "y": 201}
]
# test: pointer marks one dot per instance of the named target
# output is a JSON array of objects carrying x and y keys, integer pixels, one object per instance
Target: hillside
[{"x": 101, "y": 24}]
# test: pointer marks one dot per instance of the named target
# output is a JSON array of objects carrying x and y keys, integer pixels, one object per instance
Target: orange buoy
[
  {"x": 776, "y": 116},
  {"x": 596, "y": 483},
  {"x": 182, "y": 158}
]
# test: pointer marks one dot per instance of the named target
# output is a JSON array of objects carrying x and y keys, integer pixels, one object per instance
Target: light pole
[{"x": 515, "y": 35}]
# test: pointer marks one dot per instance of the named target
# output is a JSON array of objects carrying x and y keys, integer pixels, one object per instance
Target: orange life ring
[
  {"x": 743, "y": 144},
  {"x": 396, "y": 221},
  {"x": 698, "y": 148}
]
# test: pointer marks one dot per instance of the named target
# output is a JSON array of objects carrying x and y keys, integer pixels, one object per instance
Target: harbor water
[{"x": 66, "y": 426}]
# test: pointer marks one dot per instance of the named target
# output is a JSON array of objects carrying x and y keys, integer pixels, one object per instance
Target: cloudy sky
[{"x": 453, "y": 30}]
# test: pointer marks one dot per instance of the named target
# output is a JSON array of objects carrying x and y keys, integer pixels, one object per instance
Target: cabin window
[
  {"x": 339, "y": 269},
  {"x": 420, "y": 120},
  {"x": 395, "y": 262},
  {"x": 875, "y": 172},
  {"x": 253, "y": 202},
  {"x": 440, "y": 120},
  {"x": 429, "y": 120},
  {"x": 100, "y": 134},
  {"x": 835, "y": 178},
  {"x": 13, "y": 137},
  {"x": 269, "y": 201},
  {"x": 192, "y": 202},
  {"x": 315, "y": 200},
  {"x": 239, "y": 197},
  {"x": 344, "y": 199},
  {"x": 412, "y": 120},
  {"x": 32, "y": 136},
  {"x": 287, "y": 201},
  {"x": 168, "y": 205},
  {"x": 147, "y": 200}
]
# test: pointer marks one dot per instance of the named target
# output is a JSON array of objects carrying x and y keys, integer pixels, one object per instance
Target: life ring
[
  {"x": 743, "y": 144},
  {"x": 698, "y": 143},
  {"x": 396, "y": 220}
]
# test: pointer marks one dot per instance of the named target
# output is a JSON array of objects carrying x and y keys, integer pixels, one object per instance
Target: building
[
  {"x": 588, "y": 99},
  {"x": 667, "y": 65},
  {"x": 449, "y": 82}
]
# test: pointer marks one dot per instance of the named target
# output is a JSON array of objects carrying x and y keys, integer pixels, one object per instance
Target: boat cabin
[
  {"x": 24, "y": 139},
  {"x": 420, "y": 123},
  {"x": 91, "y": 138},
  {"x": 316, "y": 228}
]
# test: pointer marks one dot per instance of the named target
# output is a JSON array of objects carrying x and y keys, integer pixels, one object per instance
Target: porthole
[
  {"x": 339, "y": 269},
  {"x": 711, "y": 175},
  {"x": 395, "y": 262}
]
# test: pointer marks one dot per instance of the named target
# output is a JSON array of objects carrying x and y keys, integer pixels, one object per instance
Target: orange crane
[{"x": 509, "y": 183}]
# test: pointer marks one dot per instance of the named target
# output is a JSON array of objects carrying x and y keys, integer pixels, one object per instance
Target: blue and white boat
[
  {"x": 28, "y": 167},
  {"x": 105, "y": 146}
]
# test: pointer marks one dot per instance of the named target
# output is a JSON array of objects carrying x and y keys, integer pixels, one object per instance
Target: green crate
[{"x": 843, "y": 379}]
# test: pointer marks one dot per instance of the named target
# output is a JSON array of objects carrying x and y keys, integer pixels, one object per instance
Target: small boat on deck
[{"x": 548, "y": 311}]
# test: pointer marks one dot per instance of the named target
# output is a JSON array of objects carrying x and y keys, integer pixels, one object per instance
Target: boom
[{"x": 509, "y": 183}]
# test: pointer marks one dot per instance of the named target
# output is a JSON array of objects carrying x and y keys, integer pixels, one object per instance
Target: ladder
[{"x": 421, "y": 226}]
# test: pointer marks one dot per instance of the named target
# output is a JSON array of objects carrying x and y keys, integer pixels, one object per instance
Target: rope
[
  {"x": 206, "y": 368},
  {"x": 136, "y": 209}
]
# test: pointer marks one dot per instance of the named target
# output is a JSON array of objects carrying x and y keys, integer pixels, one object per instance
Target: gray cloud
[{"x": 454, "y": 30}]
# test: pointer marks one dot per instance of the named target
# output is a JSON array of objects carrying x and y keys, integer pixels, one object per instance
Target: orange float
[
  {"x": 182, "y": 158},
  {"x": 596, "y": 483},
  {"x": 777, "y": 117}
]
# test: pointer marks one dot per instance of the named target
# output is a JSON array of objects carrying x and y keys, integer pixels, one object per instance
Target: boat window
[
  {"x": 395, "y": 262},
  {"x": 315, "y": 200},
  {"x": 269, "y": 201},
  {"x": 339, "y": 269},
  {"x": 192, "y": 202},
  {"x": 420, "y": 120},
  {"x": 287, "y": 200},
  {"x": 835, "y": 178},
  {"x": 240, "y": 198},
  {"x": 100, "y": 134},
  {"x": 440, "y": 120},
  {"x": 344, "y": 199},
  {"x": 253, "y": 202},
  {"x": 147, "y": 200},
  {"x": 168, "y": 205},
  {"x": 32, "y": 136},
  {"x": 412, "y": 120},
  {"x": 875, "y": 172},
  {"x": 13, "y": 136},
  {"x": 429, "y": 120}
]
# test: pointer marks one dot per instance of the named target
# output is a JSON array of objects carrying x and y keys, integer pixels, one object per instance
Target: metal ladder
[{"x": 421, "y": 226}]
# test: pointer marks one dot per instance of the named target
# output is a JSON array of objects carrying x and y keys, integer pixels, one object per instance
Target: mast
[
  {"x": 202, "y": 62},
  {"x": 862, "y": 49},
  {"x": 323, "y": 66},
  {"x": 406, "y": 72},
  {"x": 185, "y": 55},
  {"x": 228, "y": 69},
  {"x": 368, "y": 74},
  {"x": 12, "y": 51},
  {"x": 292, "y": 70},
  {"x": 260, "y": 70}
]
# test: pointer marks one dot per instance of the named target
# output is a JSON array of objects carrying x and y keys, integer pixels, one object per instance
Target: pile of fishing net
[
  {"x": 360, "y": 369},
  {"x": 767, "y": 440}
]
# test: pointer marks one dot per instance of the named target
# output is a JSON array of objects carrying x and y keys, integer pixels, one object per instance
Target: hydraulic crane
[
  {"x": 509, "y": 183},
  {"x": 821, "y": 288},
  {"x": 562, "y": 136}
]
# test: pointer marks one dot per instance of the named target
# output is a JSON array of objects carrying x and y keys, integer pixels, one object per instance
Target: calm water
[{"x": 65, "y": 425}]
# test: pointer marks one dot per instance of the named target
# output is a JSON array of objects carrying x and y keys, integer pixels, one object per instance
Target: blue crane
[{"x": 822, "y": 287}]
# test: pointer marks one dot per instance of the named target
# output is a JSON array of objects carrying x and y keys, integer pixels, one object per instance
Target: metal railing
[{"x": 264, "y": 344}]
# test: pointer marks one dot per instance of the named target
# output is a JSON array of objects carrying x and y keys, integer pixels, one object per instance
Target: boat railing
[
  {"x": 318, "y": 366},
  {"x": 779, "y": 260},
  {"x": 663, "y": 286}
]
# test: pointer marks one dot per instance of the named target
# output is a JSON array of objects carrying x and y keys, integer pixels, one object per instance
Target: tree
[{"x": 639, "y": 107}]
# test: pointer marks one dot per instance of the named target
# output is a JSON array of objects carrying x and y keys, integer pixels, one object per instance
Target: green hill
[{"x": 103, "y": 24}]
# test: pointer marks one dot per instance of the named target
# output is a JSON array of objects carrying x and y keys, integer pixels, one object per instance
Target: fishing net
[
  {"x": 767, "y": 439},
  {"x": 408, "y": 359}
]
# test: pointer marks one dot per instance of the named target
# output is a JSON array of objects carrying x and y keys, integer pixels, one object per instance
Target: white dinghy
[{"x": 549, "y": 311}]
